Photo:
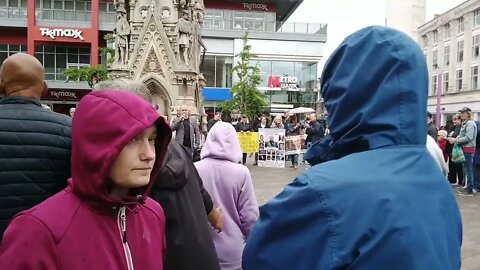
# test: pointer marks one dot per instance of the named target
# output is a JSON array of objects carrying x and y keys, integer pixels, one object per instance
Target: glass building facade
[{"x": 56, "y": 59}]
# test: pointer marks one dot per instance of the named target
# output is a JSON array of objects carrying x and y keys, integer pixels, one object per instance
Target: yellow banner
[{"x": 248, "y": 141}]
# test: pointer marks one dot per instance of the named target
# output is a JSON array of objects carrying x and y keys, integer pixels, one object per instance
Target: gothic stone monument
[{"x": 158, "y": 42}]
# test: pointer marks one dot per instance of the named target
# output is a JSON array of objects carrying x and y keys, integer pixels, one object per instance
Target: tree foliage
[
  {"x": 99, "y": 71},
  {"x": 86, "y": 73},
  {"x": 247, "y": 99}
]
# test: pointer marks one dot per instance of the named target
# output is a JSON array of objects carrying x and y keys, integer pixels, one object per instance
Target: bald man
[
  {"x": 186, "y": 128},
  {"x": 34, "y": 143}
]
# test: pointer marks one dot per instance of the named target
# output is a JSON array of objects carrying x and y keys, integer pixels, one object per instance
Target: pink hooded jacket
[{"x": 82, "y": 227}]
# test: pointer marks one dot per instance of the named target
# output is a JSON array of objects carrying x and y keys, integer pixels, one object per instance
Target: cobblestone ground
[{"x": 269, "y": 182}]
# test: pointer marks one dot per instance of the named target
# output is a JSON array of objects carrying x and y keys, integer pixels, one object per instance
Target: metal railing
[
  {"x": 262, "y": 26},
  {"x": 13, "y": 13},
  {"x": 303, "y": 28},
  {"x": 63, "y": 15}
]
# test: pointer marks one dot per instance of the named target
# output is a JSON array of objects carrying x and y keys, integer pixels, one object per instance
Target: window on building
[
  {"x": 239, "y": 19},
  {"x": 461, "y": 25},
  {"x": 107, "y": 12},
  {"x": 459, "y": 79},
  {"x": 434, "y": 84},
  {"x": 65, "y": 10},
  {"x": 460, "y": 51},
  {"x": 445, "y": 82},
  {"x": 475, "y": 82},
  {"x": 425, "y": 40},
  {"x": 217, "y": 71},
  {"x": 446, "y": 55},
  {"x": 476, "y": 46},
  {"x": 57, "y": 59},
  {"x": 447, "y": 31},
  {"x": 7, "y": 50},
  {"x": 435, "y": 36},
  {"x": 476, "y": 17},
  {"x": 435, "y": 59}
]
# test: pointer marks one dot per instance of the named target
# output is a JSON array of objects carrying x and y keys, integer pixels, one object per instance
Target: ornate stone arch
[{"x": 158, "y": 87}]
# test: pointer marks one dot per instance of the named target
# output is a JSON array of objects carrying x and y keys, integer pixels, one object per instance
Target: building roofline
[{"x": 432, "y": 21}]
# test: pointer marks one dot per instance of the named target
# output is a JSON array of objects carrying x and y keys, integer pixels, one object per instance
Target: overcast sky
[{"x": 346, "y": 16}]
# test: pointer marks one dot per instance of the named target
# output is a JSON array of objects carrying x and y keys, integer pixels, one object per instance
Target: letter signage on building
[
  {"x": 255, "y": 6},
  {"x": 283, "y": 83},
  {"x": 65, "y": 95},
  {"x": 58, "y": 32}
]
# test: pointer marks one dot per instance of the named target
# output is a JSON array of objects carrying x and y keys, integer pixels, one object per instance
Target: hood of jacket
[
  {"x": 375, "y": 88},
  {"x": 222, "y": 143},
  {"x": 104, "y": 122}
]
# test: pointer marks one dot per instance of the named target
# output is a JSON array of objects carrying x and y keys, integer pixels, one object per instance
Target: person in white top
[{"x": 437, "y": 154}]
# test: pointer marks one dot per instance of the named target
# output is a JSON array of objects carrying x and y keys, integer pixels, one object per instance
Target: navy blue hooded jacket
[{"x": 376, "y": 198}]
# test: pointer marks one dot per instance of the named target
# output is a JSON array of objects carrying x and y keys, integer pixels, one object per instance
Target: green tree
[
  {"x": 95, "y": 73},
  {"x": 246, "y": 98}
]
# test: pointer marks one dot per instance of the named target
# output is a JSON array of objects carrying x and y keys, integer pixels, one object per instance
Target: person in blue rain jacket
[{"x": 375, "y": 198}]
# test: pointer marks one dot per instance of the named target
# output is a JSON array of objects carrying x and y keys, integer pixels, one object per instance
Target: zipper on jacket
[{"x": 122, "y": 226}]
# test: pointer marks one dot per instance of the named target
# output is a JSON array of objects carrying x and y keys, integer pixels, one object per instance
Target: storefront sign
[
  {"x": 255, "y": 6},
  {"x": 65, "y": 95},
  {"x": 58, "y": 32},
  {"x": 283, "y": 82},
  {"x": 222, "y": 4}
]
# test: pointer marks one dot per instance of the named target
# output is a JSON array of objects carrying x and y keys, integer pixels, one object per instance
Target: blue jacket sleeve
[{"x": 292, "y": 232}]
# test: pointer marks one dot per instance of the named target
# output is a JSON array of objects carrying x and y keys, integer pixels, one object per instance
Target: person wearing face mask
[{"x": 114, "y": 156}]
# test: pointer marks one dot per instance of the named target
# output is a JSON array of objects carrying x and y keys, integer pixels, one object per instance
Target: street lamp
[{"x": 439, "y": 96}]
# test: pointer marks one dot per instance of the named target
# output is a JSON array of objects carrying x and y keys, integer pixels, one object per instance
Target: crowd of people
[
  {"x": 462, "y": 135},
  {"x": 116, "y": 186}
]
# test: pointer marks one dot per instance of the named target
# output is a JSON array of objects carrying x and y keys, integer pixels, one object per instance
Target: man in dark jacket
[
  {"x": 187, "y": 205},
  {"x": 35, "y": 143},
  {"x": 432, "y": 130},
  {"x": 455, "y": 170},
  {"x": 244, "y": 126},
  {"x": 217, "y": 117},
  {"x": 315, "y": 131}
]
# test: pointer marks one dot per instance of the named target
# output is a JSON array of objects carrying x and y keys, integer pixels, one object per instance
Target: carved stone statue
[
  {"x": 199, "y": 13},
  {"x": 121, "y": 33},
  {"x": 185, "y": 31}
]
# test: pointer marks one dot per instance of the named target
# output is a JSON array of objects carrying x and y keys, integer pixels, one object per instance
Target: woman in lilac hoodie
[{"x": 230, "y": 186}]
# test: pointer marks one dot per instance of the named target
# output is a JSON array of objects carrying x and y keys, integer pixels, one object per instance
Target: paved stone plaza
[{"x": 268, "y": 182}]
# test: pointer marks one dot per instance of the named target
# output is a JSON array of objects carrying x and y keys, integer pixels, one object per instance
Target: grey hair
[{"x": 126, "y": 85}]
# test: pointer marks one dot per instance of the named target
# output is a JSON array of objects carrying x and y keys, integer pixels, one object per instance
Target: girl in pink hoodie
[
  {"x": 230, "y": 186},
  {"x": 103, "y": 219}
]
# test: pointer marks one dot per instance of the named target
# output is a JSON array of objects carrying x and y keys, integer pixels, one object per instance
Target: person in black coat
[
  {"x": 455, "y": 170},
  {"x": 188, "y": 208},
  {"x": 217, "y": 117},
  {"x": 35, "y": 143},
  {"x": 243, "y": 126},
  {"x": 431, "y": 129},
  {"x": 315, "y": 130}
]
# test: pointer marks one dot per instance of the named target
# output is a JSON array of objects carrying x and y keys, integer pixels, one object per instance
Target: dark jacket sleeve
[
  {"x": 432, "y": 131},
  {"x": 315, "y": 129}
]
